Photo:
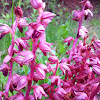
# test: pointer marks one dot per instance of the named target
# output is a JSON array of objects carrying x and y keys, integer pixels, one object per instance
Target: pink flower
[
  {"x": 61, "y": 92},
  {"x": 77, "y": 15},
  {"x": 18, "y": 82},
  {"x": 83, "y": 31},
  {"x": 44, "y": 47},
  {"x": 21, "y": 83},
  {"x": 22, "y": 44},
  {"x": 18, "y": 96},
  {"x": 7, "y": 59},
  {"x": 87, "y": 11},
  {"x": 4, "y": 29},
  {"x": 36, "y": 4},
  {"x": 42, "y": 66},
  {"x": 64, "y": 67},
  {"x": 46, "y": 18},
  {"x": 81, "y": 96},
  {"x": 31, "y": 97},
  {"x": 55, "y": 80},
  {"x": 53, "y": 59},
  {"x": 40, "y": 72},
  {"x": 22, "y": 22},
  {"x": 37, "y": 77},
  {"x": 96, "y": 69},
  {"x": 38, "y": 92},
  {"x": 96, "y": 43},
  {"x": 38, "y": 29},
  {"x": 68, "y": 40},
  {"x": 4, "y": 68},
  {"x": 24, "y": 57},
  {"x": 47, "y": 15},
  {"x": 88, "y": 5}
]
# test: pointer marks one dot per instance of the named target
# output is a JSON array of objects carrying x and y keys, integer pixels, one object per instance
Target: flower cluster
[{"x": 81, "y": 70}]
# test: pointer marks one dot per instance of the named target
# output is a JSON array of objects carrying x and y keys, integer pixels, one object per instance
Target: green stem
[
  {"x": 19, "y": 3},
  {"x": 12, "y": 11}
]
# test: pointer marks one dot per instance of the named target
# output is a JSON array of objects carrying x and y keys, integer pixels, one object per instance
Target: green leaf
[{"x": 25, "y": 69}]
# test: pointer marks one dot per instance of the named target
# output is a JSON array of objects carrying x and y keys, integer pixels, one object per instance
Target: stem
[
  {"x": 95, "y": 92},
  {"x": 32, "y": 66},
  {"x": 11, "y": 66},
  {"x": 12, "y": 11},
  {"x": 56, "y": 68},
  {"x": 30, "y": 81},
  {"x": 78, "y": 36}
]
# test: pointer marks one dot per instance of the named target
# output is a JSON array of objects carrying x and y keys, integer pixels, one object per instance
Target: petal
[
  {"x": 19, "y": 59},
  {"x": 36, "y": 4},
  {"x": 44, "y": 47},
  {"x": 42, "y": 66},
  {"x": 53, "y": 59},
  {"x": 22, "y": 83},
  {"x": 41, "y": 72},
  {"x": 68, "y": 39},
  {"x": 4, "y": 66},
  {"x": 47, "y": 15},
  {"x": 96, "y": 69},
  {"x": 7, "y": 59}
]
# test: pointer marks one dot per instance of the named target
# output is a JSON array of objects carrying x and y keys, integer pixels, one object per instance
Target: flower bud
[{"x": 18, "y": 12}]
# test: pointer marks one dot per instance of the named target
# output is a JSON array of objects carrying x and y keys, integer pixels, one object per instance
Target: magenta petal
[
  {"x": 28, "y": 59},
  {"x": 42, "y": 66},
  {"x": 19, "y": 59},
  {"x": 97, "y": 43},
  {"x": 31, "y": 97},
  {"x": 41, "y": 72},
  {"x": 38, "y": 92},
  {"x": 81, "y": 96},
  {"x": 96, "y": 69},
  {"x": 37, "y": 77},
  {"x": 7, "y": 59},
  {"x": 68, "y": 39},
  {"x": 53, "y": 59},
  {"x": 36, "y": 4},
  {"x": 15, "y": 78},
  {"x": 47, "y": 15},
  {"x": 77, "y": 15},
  {"x": 77, "y": 58},
  {"x": 22, "y": 82},
  {"x": 55, "y": 80},
  {"x": 44, "y": 47},
  {"x": 4, "y": 66},
  {"x": 18, "y": 96}
]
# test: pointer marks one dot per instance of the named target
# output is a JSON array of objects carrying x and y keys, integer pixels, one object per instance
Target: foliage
[{"x": 44, "y": 74}]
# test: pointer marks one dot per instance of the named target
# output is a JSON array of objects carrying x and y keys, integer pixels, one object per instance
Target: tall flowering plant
[{"x": 81, "y": 69}]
